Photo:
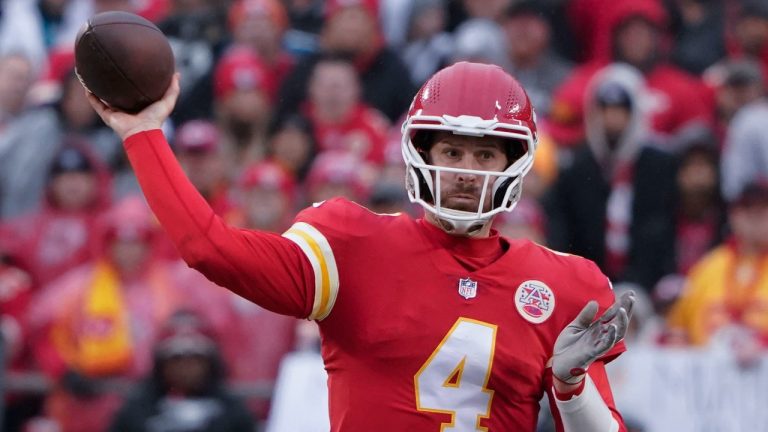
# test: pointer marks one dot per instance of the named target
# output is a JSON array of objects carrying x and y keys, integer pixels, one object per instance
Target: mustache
[{"x": 465, "y": 188}]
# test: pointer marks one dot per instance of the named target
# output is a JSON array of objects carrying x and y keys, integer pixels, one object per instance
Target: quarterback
[{"x": 434, "y": 324}]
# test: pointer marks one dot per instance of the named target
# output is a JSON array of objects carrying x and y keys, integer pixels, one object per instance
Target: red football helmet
[{"x": 476, "y": 100}]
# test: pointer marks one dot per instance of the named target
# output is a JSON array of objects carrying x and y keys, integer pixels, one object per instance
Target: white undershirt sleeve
[{"x": 586, "y": 412}]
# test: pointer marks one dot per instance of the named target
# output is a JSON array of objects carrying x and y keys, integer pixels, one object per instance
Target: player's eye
[{"x": 452, "y": 153}]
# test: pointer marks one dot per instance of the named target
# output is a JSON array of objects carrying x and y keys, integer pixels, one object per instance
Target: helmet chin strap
[{"x": 466, "y": 228}]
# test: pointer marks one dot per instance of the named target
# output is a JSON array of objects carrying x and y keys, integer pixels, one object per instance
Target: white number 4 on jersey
[{"x": 454, "y": 378}]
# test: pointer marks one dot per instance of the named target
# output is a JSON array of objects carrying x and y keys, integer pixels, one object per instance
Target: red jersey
[{"x": 421, "y": 331}]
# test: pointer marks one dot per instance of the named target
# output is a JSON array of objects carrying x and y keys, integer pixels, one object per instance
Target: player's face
[{"x": 461, "y": 191}]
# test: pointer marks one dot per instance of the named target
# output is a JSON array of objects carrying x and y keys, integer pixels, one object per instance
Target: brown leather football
[{"x": 123, "y": 59}]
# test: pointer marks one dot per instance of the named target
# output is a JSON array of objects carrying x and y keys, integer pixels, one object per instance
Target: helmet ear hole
[
  {"x": 426, "y": 195},
  {"x": 498, "y": 197}
]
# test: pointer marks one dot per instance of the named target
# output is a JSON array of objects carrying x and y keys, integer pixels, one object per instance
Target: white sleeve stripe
[
  {"x": 587, "y": 411},
  {"x": 315, "y": 266},
  {"x": 318, "y": 251}
]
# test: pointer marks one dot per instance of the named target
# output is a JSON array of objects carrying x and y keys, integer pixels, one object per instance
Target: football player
[{"x": 433, "y": 324}]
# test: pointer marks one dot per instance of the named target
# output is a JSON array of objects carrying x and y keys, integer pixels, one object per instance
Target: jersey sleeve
[
  {"x": 266, "y": 268},
  {"x": 324, "y": 233}
]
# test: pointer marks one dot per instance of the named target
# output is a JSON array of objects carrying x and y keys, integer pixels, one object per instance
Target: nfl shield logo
[{"x": 467, "y": 288}]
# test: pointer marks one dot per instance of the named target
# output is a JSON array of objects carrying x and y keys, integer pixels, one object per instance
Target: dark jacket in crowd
[{"x": 576, "y": 211}]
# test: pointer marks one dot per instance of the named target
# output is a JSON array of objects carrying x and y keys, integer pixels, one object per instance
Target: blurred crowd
[{"x": 652, "y": 161}]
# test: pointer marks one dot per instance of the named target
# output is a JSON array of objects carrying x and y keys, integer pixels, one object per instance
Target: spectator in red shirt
[
  {"x": 351, "y": 29},
  {"x": 637, "y": 37},
  {"x": 100, "y": 319},
  {"x": 242, "y": 88},
  {"x": 198, "y": 147},
  {"x": 339, "y": 174},
  {"x": 15, "y": 292},
  {"x": 59, "y": 237},
  {"x": 260, "y": 26},
  {"x": 340, "y": 119},
  {"x": 267, "y": 197}
]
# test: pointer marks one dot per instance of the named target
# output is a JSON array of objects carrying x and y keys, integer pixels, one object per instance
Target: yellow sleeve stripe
[{"x": 318, "y": 251}]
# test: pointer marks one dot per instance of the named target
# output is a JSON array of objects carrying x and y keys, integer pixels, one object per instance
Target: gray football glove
[{"x": 585, "y": 339}]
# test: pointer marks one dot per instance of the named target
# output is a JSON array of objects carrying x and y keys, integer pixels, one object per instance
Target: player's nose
[{"x": 468, "y": 163}]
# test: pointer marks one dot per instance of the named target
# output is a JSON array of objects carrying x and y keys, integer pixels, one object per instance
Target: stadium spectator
[
  {"x": 100, "y": 320},
  {"x": 637, "y": 35},
  {"x": 729, "y": 286},
  {"x": 745, "y": 154},
  {"x": 427, "y": 46},
  {"x": 16, "y": 78},
  {"x": 531, "y": 60},
  {"x": 340, "y": 120},
  {"x": 35, "y": 27},
  {"x": 40, "y": 131},
  {"x": 242, "y": 86},
  {"x": 699, "y": 30},
  {"x": 185, "y": 390},
  {"x": 339, "y": 174},
  {"x": 260, "y": 25},
  {"x": 613, "y": 202},
  {"x": 351, "y": 29},
  {"x": 734, "y": 84},
  {"x": 267, "y": 197},
  {"x": 701, "y": 214},
  {"x": 480, "y": 40},
  {"x": 292, "y": 145},
  {"x": 198, "y": 146},
  {"x": 257, "y": 354},
  {"x": 59, "y": 236},
  {"x": 16, "y": 289},
  {"x": 526, "y": 222},
  {"x": 748, "y": 36},
  {"x": 305, "y": 19},
  {"x": 197, "y": 31}
]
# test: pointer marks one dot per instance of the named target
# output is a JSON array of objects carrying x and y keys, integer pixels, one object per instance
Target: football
[{"x": 123, "y": 59}]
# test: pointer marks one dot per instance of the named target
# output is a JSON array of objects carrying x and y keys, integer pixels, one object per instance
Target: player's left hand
[{"x": 585, "y": 339}]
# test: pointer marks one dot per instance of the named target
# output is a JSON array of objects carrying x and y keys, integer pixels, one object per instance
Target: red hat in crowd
[
  {"x": 129, "y": 219},
  {"x": 338, "y": 167},
  {"x": 197, "y": 136},
  {"x": 243, "y": 9},
  {"x": 334, "y": 6},
  {"x": 268, "y": 175},
  {"x": 240, "y": 69}
]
